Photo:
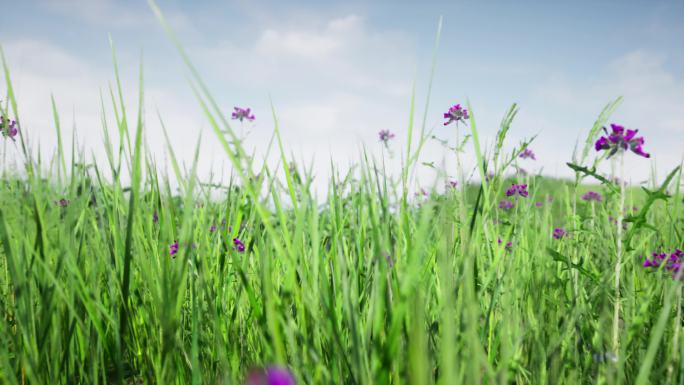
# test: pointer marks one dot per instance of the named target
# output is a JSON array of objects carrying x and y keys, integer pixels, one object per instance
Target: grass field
[{"x": 111, "y": 275}]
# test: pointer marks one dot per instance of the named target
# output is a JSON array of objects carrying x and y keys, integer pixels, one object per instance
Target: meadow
[{"x": 111, "y": 274}]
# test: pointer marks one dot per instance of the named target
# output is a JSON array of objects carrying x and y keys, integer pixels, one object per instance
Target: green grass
[{"x": 367, "y": 286}]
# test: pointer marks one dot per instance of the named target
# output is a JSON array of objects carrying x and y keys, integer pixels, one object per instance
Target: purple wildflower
[
  {"x": 8, "y": 127},
  {"x": 173, "y": 248},
  {"x": 385, "y": 136},
  {"x": 456, "y": 114},
  {"x": 509, "y": 244},
  {"x": 62, "y": 202},
  {"x": 520, "y": 189},
  {"x": 271, "y": 376},
  {"x": 592, "y": 196},
  {"x": 559, "y": 233},
  {"x": 670, "y": 262},
  {"x": 452, "y": 183},
  {"x": 155, "y": 217},
  {"x": 506, "y": 205},
  {"x": 242, "y": 113},
  {"x": 238, "y": 245},
  {"x": 212, "y": 228},
  {"x": 539, "y": 204},
  {"x": 621, "y": 140},
  {"x": 527, "y": 153}
]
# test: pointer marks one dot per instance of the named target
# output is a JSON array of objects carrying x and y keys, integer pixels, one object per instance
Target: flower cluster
[
  {"x": 506, "y": 205},
  {"x": 270, "y": 376},
  {"x": 173, "y": 248},
  {"x": 619, "y": 139},
  {"x": 385, "y": 136},
  {"x": 520, "y": 189},
  {"x": 242, "y": 113},
  {"x": 238, "y": 245},
  {"x": 559, "y": 233},
  {"x": 670, "y": 262},
  {"x": 509, "y": 244},
  {"x": 456, "y": 114},
  {"x": 8, "y": 127},
  {"x": 527, "y": 153},
  {"x": 592, "y": 196}
]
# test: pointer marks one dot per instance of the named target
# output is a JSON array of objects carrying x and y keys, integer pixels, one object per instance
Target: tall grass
[{"x": 367, "y": 286}]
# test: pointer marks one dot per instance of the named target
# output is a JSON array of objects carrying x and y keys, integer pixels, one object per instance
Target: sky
[{"x": 337, "y": 72}]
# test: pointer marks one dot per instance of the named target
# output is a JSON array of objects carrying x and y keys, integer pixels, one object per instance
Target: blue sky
[{"x": 338, "y": 72}]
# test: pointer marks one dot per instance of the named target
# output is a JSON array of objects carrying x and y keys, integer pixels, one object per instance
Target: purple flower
[
  {"x": 173, "y": 248},
  {"x": 539, "y": 204},
  {"x": 452, "y": 183},
  {"x": 559, "y": 233},
  {"x": 509, "y": 244},
  {"x": 527, "y": 153},
  {"x": 456, "y": 114},
  {"x": 592, "y": 196},
  {"x": 621, "y": 140},
  {"x": 506, "y": 205},
  {"x": 670, "y": 262},
  {"x": 212, "y": 228},
  {"x": 271, "y": 376},
  {"x": 155, "y": 217},
  {"x": 8, "y": 127},
  {"x": 238, "y": 245},
  {"x": 242, "y": 113},
  {"x": 520, "y": 189},
  {"x": 62, "y": 202},
  {"x": 385, "y": 136}
]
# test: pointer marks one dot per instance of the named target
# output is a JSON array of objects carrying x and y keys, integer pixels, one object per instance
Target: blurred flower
[
  {"x": 539, "y": 204},
  {"x": 452, "y": 183},
  {"x": 506, "y": 205},
  {"x": 592, "y": 196},
  {"x": 520, "y": 189},
  {"x": 8, "y": 127},
  {"x": 271, "y": 376},
  {"x": 385, "y": 136},
  {"x": 621, "y": 140},
  {"x": 62, "y": 202},
  {"x": 527, "y": 153},
  {"x": 456, "y": 114},
  {"x": 155, "y": 217},
  {"x": 212, "y": 228},
  {"x": 670, "y": 262},
  {"x": 559, "y": 233},
  {"x": 238, "y": 245},
  {"x": 509, "y": 244},
  {"x": 242, "y": 113},
  {"x": 173, "y": 248}
]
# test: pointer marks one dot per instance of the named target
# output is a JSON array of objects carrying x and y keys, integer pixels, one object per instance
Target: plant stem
[{"x": 618, "y": 263}]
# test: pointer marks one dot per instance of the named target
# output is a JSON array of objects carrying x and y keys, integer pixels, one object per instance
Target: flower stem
[{"x": 618, "y": 263}]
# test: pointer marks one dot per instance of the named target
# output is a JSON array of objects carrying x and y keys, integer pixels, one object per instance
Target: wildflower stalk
[{"x": 618, "y": 263}]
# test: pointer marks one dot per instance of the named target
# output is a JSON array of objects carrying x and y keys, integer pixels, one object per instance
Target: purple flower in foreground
[
  {"x": 173, "y": 248},
  {"x": 385, "y": 136},
  {"x": 8, "y": 127},
  {"x": 527, "y": 153},
  {"x": 238, "y": 245},
  {"x": 621, "y": 140},
  {"x": 456, "y": 114},
  {"x": 670, "y": 262},
  {"x": 242, "y": 113},
  {"x": 520, "y": 189},
  {"x": 559, "y": 233},
  {"x": 506, "y": 205},
  {"x": 592, "y": 196},
  {"x": 271, "y": 376}
]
